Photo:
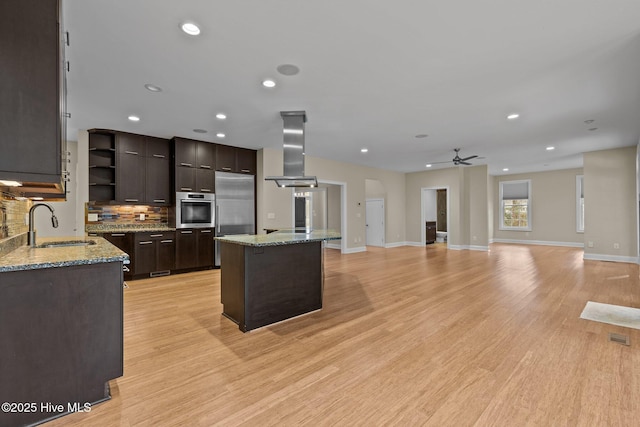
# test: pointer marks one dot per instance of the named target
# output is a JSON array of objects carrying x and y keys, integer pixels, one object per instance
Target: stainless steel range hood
[{"x": 293, "y": 135}]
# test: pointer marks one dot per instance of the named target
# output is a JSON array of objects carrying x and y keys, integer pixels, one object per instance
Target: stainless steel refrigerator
[{"x": 235, "y": 206}]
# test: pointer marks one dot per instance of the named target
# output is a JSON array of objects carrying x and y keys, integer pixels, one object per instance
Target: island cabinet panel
[
  {"x": 62, "y": 335},
  {"x": 262, "y": 285}
]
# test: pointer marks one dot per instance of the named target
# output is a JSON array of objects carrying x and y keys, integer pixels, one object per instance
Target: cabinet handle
[
  {"x": 131, "y": 152},
  {"x": 117, "y": 234},
  {"x": 130, "y": 200},
  {"x": 205, "y": 166},
  {"x": 226, "y": 169},
  {"x": 93, "y": 234},
  {"x": 186, "y": 232},
  {"x": 155, "y": 235},
  {"x": 186, "y": 189},
  {"x": 205, "y": 190},
  {"x": 245, "y": 170},
  {"x": 166, "y": 241},
  {"x": 160, "y": 156},
  {"x": 205, "y": 231},
  {"x": 146, "y": 243},
  {"x": 159, "y": 201},
  {"x": 186, "y": 164}
]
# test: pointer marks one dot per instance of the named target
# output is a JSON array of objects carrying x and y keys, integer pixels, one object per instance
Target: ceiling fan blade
[
  {"x": 468, "y": 158},
  {"x": 463, "y": 163},
  {"x": 438, "y": 163}
]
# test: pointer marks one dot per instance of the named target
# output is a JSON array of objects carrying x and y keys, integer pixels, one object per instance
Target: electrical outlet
[
  {"x": 92, "y": 217},
  {"x": 616, "y": 246},
  {"x": 271, "y": 215},
  {"x": 141, "y": 217},
  {"x": 590, "y": 244}
]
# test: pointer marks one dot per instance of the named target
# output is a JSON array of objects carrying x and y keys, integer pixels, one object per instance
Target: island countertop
[
  {"x": 282, "y": 237},
  {"x": 28, "y": 258}
]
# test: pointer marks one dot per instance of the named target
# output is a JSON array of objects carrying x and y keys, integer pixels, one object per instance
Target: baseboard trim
[
  {"x": 355, "y": 250},
  {"x": 468, "y": 248},
  {"x": 611, "y": 258},
  {"x": 396, "y": 244},
  {"x": 332, "y": 246},
  {"x": 539, "y": 242},
  {"x": 414, "y": 244}
]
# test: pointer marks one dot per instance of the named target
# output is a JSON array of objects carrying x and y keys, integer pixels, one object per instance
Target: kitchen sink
[{"x": 64, "y": 243}]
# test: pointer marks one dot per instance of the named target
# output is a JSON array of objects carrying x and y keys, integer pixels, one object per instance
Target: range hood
[{"x": 293, "y": 147}]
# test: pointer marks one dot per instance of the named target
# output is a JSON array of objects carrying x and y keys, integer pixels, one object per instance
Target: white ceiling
[{"x": 372, "y": 74}]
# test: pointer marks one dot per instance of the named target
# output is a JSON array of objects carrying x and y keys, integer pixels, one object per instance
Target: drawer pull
[
  {"x": 117, "y": 234},
  {"x": 186, "y": 164},
  {"x": 205, "y": 166},
  {"x": 186, "y": 232},
  {"x": 146, "y": 243},
  {"x": 160, "y": 156},
  {"x": 205, "y": 231},
  {"x": 135, "y": 153},
  {"x": 166, "y": 241},
  {"x": 186, "y": 189},
  {"x": 205, "y": 190},
  {"x": 245, "y": 170},
  {"x": 130, "y": 200},
  {"x": 226, "y": 169},
  {"x": 159, "y": 200},
  {"x": 156, "y": 235}
]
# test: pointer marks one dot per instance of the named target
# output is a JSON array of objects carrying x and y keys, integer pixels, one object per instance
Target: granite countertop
[
  {"x": 28, "y": 258},
  {"x": 126, "y": 228},
  {"x": 281, "y": 237}
]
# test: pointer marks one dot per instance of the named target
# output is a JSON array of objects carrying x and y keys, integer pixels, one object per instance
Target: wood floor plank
[{"x": 407, "y": 336}]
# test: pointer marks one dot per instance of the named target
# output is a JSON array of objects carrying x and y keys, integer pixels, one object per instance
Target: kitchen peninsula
[
  {"x": 272, "y": 277},
  {"x": 61, "y": 324}
]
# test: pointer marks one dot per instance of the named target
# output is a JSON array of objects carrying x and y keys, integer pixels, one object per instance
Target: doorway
[
  {"x": 375, "y": 222},
  {"x": 435, "y": 208}
]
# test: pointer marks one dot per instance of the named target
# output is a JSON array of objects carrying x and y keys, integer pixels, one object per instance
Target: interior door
[{"x": 375, "y": 222}]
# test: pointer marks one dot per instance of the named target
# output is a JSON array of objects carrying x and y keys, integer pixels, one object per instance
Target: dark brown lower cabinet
[
  {"x": 430, "y": 232},
  {"x": 154, "y": 254},
  {"x": 62, "y": 339},
  {"x": 194, "y": 248}
]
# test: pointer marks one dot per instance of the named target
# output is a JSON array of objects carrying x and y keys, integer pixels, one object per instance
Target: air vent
[{"x": 619, "y": 338}]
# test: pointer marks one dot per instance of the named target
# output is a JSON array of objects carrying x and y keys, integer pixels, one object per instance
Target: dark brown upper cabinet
[
  {"x": 130, "y": 168},
  {"x": 32, "y": 94},
  {"x": 235, "y": 159},
  {"x": 194, "y": 165}
]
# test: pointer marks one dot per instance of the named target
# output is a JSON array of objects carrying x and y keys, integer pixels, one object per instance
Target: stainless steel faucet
[{"x": 31, "y": 237}]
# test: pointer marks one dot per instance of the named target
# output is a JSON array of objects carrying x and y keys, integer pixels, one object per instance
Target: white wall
[{"x": 430, "y": 205}]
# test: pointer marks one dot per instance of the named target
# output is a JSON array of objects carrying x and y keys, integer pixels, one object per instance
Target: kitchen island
[
  {"x": 272, "y": 277},
  {"x": 61, "y": 323}
]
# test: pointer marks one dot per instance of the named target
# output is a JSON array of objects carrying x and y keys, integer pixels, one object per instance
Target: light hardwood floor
[{"x": 407, "y": 336}]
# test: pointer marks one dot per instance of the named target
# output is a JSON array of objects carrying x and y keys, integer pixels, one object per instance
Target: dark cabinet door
[
  {"x": 205, "y": 181},
  {"x": 158, "y": 181},
  {"x": 185, "y": 152},
  {"x": 145, "y": 251},
  {"x": 205, "y": 247},
  {"x": 246, "y": 161},
  {"x": 430, "y": 232},
  {"x": 130, "y": 178},
  {"x": 29, "y": 91},
  {"x": 124, "y": 242},
  {"x": 206, "y": 155},
  {"x": 226, "y": 158},
  {"x": 131, "y": 144},
  {"x": 186, "y": 249},
  {"x": 185, "y": 179},
  {"x": 166, "y": 255}
]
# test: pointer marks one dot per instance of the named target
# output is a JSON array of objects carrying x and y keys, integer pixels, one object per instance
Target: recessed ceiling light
[
  {"x": 288, "y": 69},
  {"x": 505, "y": 170},
  {"x": 513, "y": 116},
  {"x": 221, "y": 116},
  {"x": 153, "y": 88},
  {"x": 428, "y": 166},
  {"x": 364, "y": 150},
  {"x": 421, "y": 135},
  {"x": 589, "y": 121},
  {"x": 134, "y": 118},
  {"x": 190, "y": 28},
  {"x": 200, "y": 130},
  {"x": 10, "y": 183},
  {"x": 550, "y": 148},
  {"x": 268, "y": 83},
  {"x": 592, "y": 129},
  {"x": 220, "y": 135}
]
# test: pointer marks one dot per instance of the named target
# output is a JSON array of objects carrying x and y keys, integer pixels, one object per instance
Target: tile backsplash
[
  {"x": 12, "y": 215},
  {"x": 125, "y": 214}
]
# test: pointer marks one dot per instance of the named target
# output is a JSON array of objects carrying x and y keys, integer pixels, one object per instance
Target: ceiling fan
[{"x": 457, "y": 160}]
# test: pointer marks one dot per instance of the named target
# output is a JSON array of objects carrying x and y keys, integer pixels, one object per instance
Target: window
[
  {"x": 580, "y": 203},
  {"x": 515, "y": 205}
]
